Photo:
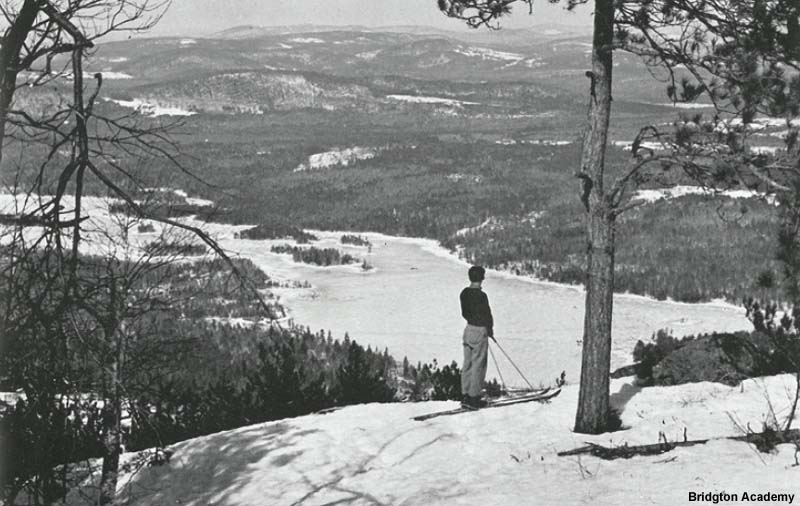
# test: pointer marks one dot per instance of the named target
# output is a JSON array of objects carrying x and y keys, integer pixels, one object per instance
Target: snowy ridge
[
  {"x": 757, "y": 124},
  {"x": 767, "y": 150},
  {"x": 466, "y": 230},
  {"x": 429, "y": 100},
  {"x": 686, "y": 105},
  {"x": 182, "y": 194},
  {"x": 107, "y": 74},
  {"x": 307, "y": 40},
  {"x": 510, "y": 59},
  {"x": 485, "y": 53},
  {"x": 470, "y": 178},
  {"x": 150, "y": 109},
  {"x": 493, "y": 222},
  {"x": 102, "y": 230},
  {"x": 375, "y": 454},
  {"x": 334, "y": 157},
  {"x": 369, "y": 55},
  {"x": 651, "y": 196},
  {"x": 628, "y": 145},
  {"x": 535, "y": 142}
]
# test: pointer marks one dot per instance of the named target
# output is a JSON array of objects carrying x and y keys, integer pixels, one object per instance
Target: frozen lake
[{"x": 409, "y": 304}]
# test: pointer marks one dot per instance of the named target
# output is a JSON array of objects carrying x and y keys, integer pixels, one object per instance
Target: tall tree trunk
[
  {"x": 12, "y": 42},
  {"x": 112, "y": 439},
  {"x": 593, "y": 399},
  {"x": 115, "y": 332}
]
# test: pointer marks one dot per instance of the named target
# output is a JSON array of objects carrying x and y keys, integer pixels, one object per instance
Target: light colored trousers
[{"x": 473, "y": 370}]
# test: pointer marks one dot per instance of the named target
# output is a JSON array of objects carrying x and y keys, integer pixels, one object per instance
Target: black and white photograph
[{"x": 399, "y": 252}]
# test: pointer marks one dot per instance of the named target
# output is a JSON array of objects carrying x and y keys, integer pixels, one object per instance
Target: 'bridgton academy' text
[{"x": 717, "y": 497}]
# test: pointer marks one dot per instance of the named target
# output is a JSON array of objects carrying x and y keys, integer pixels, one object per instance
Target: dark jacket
[{"x": 475, "y": 308}]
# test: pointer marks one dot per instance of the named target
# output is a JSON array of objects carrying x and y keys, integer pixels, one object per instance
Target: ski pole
[
  {"x": 502, "y": 381},
  {"x": 515, "y": 365}
]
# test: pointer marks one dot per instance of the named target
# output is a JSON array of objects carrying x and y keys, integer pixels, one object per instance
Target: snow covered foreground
[{"x": 375, "y": 454}]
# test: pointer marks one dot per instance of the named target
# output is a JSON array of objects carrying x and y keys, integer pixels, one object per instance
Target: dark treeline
[
  {"x": 689, "y": 249},
  {"x": 356, "y": 240},
  {"x": 532, "y": 220},
  {"x": 429, "y": 189},
  {"x": 199, "y": 357},
  {"x": 277, "y": 231},
  {"x": 432, "y": 179},
  {"x": 229, "y": 378},
  {"x": 166, "y": 209},
  {"x": 175, "y": 248},
  {"x": 679, "y": 249},
  {"x": 189, "y": 368},
  {"x": 208, "y": 287},
  {"x": 241, "y": 376},
  {"x": 317, "y": 256}
]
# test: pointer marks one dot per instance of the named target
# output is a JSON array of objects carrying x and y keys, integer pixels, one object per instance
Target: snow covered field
[{"x": 375, "y": 454}]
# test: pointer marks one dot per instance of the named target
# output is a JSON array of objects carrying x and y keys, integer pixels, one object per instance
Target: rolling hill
[{"x": 251, "y": 69}]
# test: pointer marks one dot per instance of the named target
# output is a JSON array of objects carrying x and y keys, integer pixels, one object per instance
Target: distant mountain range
[
  {"x": 262, "y": 69},
  {"x": 502, "y": 37}
]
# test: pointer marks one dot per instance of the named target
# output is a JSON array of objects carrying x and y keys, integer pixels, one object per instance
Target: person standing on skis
[{"x": 480, "y": 328}]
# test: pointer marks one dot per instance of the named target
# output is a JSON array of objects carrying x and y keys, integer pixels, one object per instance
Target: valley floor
[{"x": 375, "y": 454}]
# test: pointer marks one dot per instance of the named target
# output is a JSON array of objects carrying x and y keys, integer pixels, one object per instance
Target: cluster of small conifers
[
  {"x": 276, "y": 231},
  {"x": 219, "y": 386},
  {"x": 317, "y": 256},
  {"x": 356, "y": 240}
]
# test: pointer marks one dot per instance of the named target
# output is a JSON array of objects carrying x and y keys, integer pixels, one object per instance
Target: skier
[{"x": 475, "y": 309}]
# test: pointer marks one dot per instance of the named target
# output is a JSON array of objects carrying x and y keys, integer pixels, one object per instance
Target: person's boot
[
  {"x": 468, "y": 403},
  {"x": 478, "y": 402}
]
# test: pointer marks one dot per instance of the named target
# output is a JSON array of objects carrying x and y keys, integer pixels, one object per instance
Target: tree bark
[
  {"x": 12, "y": 43},
  {"x": 593, "y": 399},
  {"x": 112, "y": 440},
  {"x": 115, "y": 332}
]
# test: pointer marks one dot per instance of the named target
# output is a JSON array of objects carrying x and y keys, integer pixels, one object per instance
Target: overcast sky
[{"x": 199, "y": 17}]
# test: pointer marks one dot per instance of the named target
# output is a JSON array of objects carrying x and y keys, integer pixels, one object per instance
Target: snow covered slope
[{"x": 375, "y": 454}]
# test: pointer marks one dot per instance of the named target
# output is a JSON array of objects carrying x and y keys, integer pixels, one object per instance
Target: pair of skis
[{"x": 536, "y": 396}]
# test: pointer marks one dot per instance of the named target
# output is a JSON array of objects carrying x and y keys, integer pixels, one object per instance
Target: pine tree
[{"x": 738, "y": 54}]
